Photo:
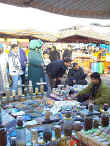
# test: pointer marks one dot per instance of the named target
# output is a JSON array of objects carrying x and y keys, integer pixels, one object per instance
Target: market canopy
[
  {"x": 27, "y": 33},
  {"x": 75, "y": 8},
  {"x": 65, "y": 35}
]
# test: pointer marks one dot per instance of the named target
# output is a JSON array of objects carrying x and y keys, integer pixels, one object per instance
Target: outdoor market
[{"x": 55, "y": 81}]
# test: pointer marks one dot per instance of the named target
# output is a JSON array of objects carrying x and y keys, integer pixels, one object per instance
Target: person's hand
[
  {"x": 73, "y": 96},
  {"x": 60, "y": 78},
  {"x": 54, "y": 79},
  {"x": 74, "y": 81}
]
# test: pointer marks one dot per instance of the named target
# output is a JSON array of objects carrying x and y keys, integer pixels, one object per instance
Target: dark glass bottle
[
  {"x": 96, "y": 122},
  {"x": 3, "y": 136},
  {"x": 88, "y": 123},
  {"x": 105, "y": 119}
]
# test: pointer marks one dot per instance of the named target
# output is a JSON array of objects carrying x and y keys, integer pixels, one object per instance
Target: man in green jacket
[{"x": 97, "y": 91}]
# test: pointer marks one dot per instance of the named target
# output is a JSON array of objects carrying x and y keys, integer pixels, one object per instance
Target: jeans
[{"x": 15, "y": 79}]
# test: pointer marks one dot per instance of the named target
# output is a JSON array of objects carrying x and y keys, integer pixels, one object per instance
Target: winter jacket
[
  {"x": 102, "y": 95},
  {"x": 14, "y": 63},
  {"x": 56, "y": 69},
  {"x": 77, "y": 75},
  {"x": 23, "y": 59},
  {"x": 35, "y": 70}
]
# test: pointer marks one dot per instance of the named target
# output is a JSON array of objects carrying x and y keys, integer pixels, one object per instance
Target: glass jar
[
  {"x": 91, "y": 107},
  {"x": 34, "y": 134},
  {"x": 96, "y": 122},
  {"x": 47, "y": 133},
  {"x": 4, "y": 101},
  {"x": 3, "y": 136},
  {"x": 68, "y": 126},
  {"x": 88, "y": 123},
  {"x": 105, "y": 119},
  {"x": 57, "y": 129},
  {"x": 22, "y": 99},
  {"x": 47, "y": 115},
  {"x": 20, "y": 134},
  {"x": 34, "y": 96},
  {"x": 12, "y": 141},
  {"x": 10, "y": 99}
]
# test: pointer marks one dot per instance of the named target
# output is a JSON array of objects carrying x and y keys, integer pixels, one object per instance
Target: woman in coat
[{"x": 35, "y": 70}]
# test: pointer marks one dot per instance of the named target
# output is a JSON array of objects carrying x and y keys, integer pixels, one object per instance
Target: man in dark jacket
[
  {"x": 23, "y": 65},
  {"x": 67, "y": 53},
  {"x": 76, "y": 75},
  {"x": 54, "y": 54},
  {"x": 56, "y": 70}
]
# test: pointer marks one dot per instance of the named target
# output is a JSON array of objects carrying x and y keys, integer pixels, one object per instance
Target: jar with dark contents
[
  {"x": 91, "y": 107},
  {"x": 57, "y": 129},
  {"x": 96, "y": 123},
  {"x": 3, "y": 136},
  {"x": 47, "y": 133},
  {"x": 105, "y": 119},
  {"x": 88, "y": 123}
]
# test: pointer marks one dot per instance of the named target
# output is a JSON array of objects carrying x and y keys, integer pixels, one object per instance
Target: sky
[{"x": 12, "y": 17}]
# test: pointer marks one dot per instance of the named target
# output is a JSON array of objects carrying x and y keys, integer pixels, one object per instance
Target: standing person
[
  {"x": 35, "y": 70},
  {"x": 76, "y": 75},
  {"x": 2, "y": 91},
  {"x": 56, "y": 70},
  {"x": 23, "y": 61},
  {"x": 3, "y": 69},
  {"x": 17, "y": 63},
  {"x": 67, "y": 53},
  {"x": 54, "y": 54},
  {"x": 46, "y": 58}
]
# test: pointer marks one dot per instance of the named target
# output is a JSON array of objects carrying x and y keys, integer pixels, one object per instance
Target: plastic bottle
[
  {"x": 20, "y": 134},
  {"x": 105, "y": 119}
]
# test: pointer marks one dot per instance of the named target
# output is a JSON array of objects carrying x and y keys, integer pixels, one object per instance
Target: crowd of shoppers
[
  {"x": 47, "y": 66},
  {"x": 43, "y": 65}
]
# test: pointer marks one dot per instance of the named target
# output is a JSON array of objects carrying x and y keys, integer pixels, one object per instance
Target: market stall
[{"x": 51, "y": 120}]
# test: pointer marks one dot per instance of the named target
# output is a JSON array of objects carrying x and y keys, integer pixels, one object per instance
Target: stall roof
[
  {"x": 78, "y": 8},
  {"x": 28, "y": 33},
  {"x": 96, "y": 33}
]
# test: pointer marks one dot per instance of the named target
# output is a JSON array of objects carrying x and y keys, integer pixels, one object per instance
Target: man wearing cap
[
  {"x": 56, "y": 70},
  {"x": 97, "y": 91},
  {"x": 76, "y": 75}
]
